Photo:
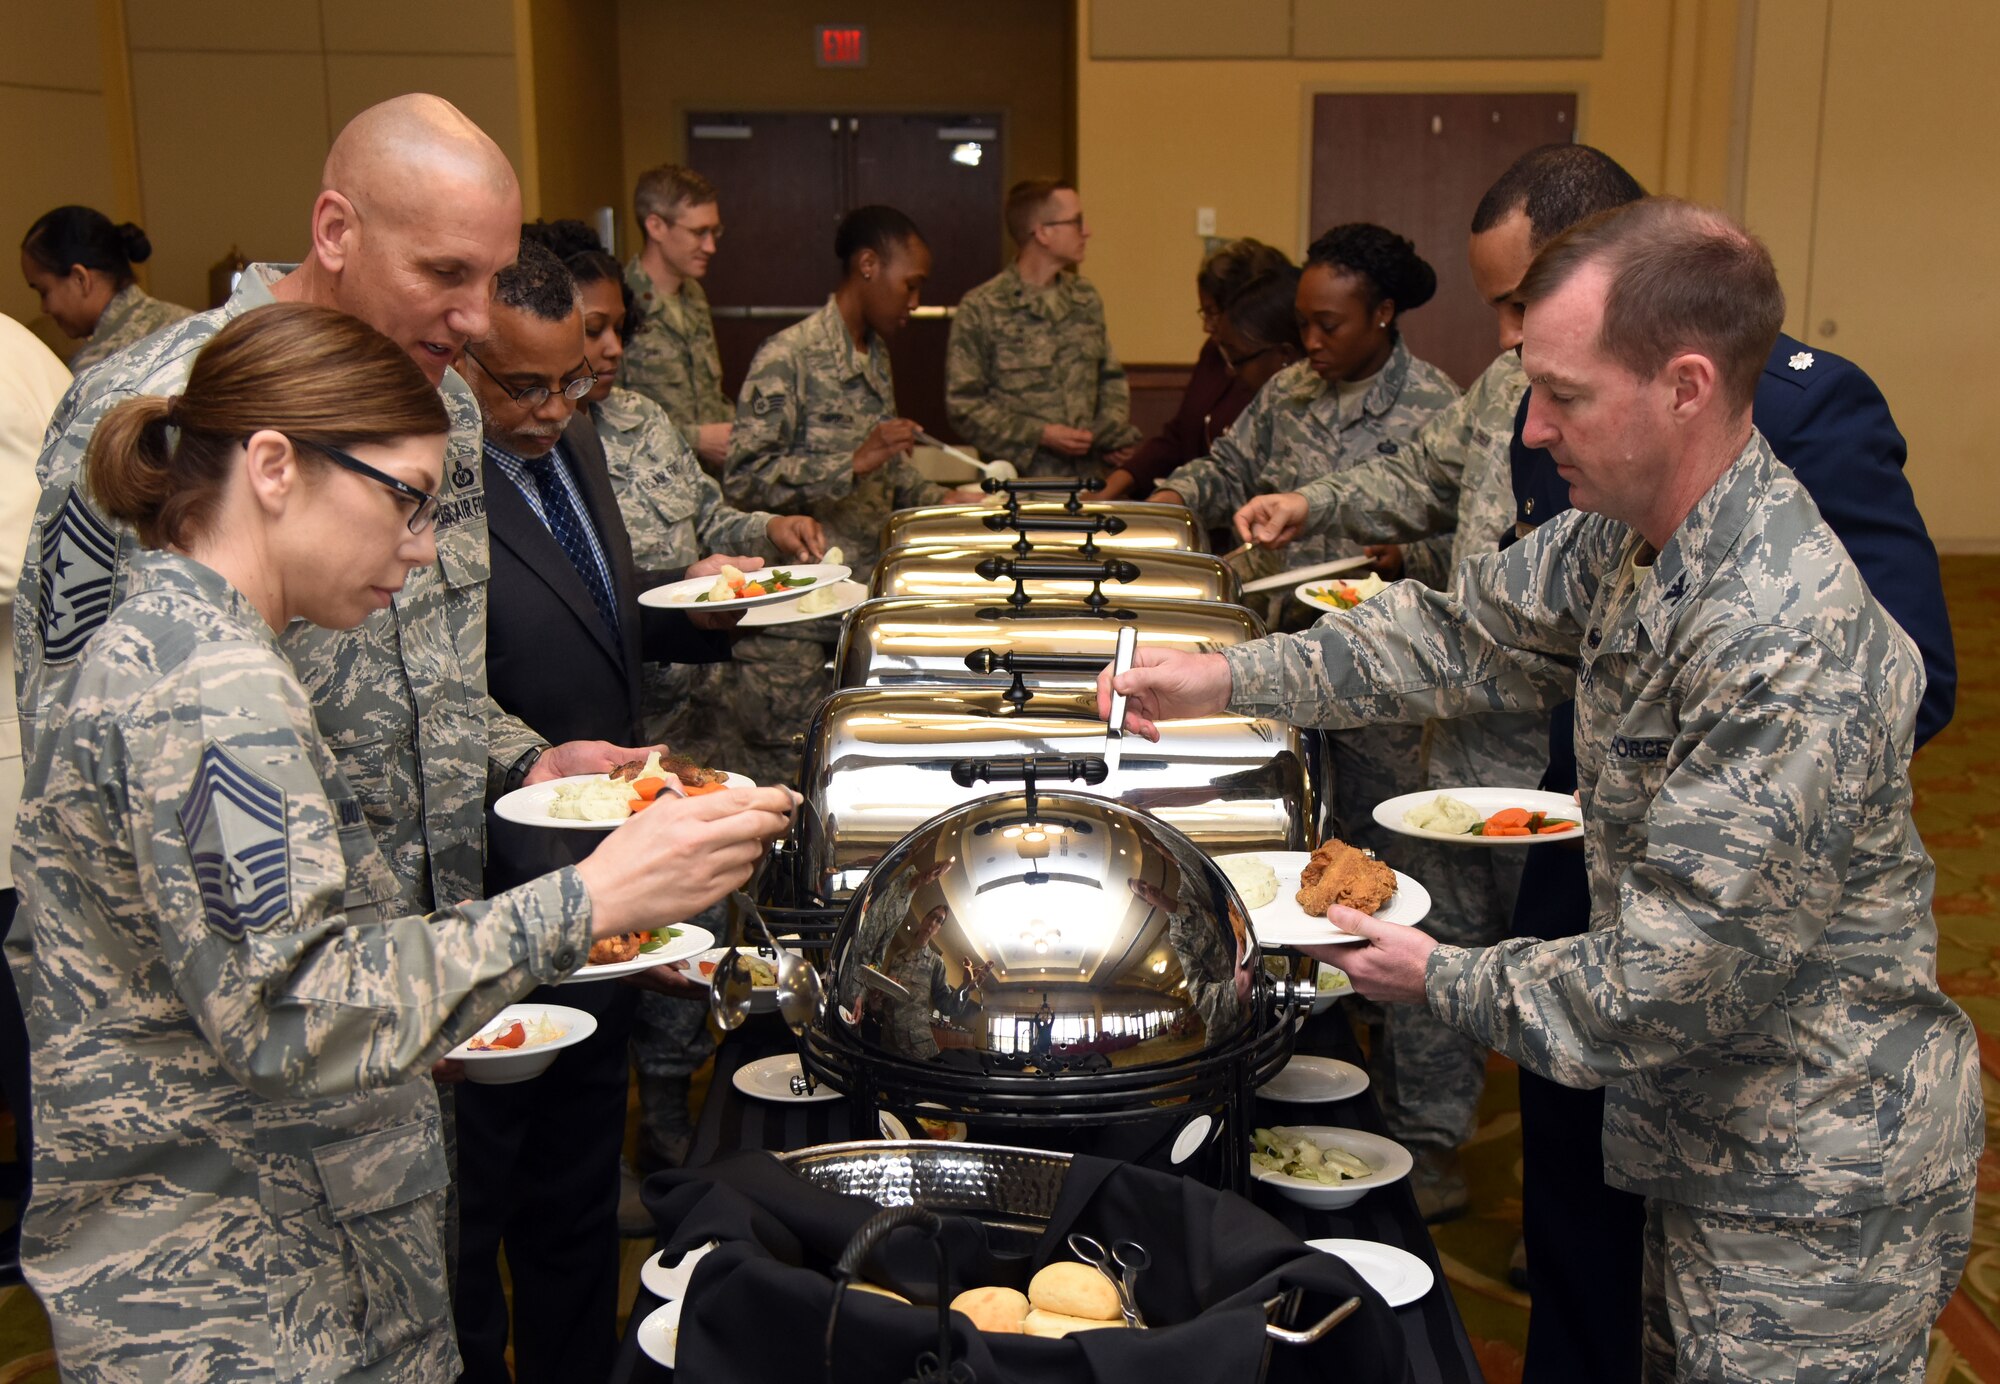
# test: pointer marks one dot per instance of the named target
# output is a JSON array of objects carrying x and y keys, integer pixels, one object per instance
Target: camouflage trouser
[
  {"x": 769, "y": 691},
  {"x": 1758, "y": 1299},
  {"x": 1430, "y": 1076},
  {"x": 1047, "y": 463}
]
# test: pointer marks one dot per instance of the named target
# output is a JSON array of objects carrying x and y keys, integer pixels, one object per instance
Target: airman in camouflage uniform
[
  {"x": 1785, "y": 1082},
  {"x": 132, "y": 315},
  {"x": 672, "y": 358},
  {"x": 1020, "y": 358},
  {"x": 808, "y": 403},
  {"x": 239, "y": 1168}
]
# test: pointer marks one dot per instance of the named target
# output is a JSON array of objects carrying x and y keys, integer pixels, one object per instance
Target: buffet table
[{"x": 1439, "y": 1352}]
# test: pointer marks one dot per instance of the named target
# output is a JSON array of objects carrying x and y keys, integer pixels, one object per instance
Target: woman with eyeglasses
[
  {"x": 238, "y": 1166},
  {"x": 1214, "y": 395}
]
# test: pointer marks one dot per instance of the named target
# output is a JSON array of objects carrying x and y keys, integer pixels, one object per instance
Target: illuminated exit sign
[{"x": 841, "y": 45}]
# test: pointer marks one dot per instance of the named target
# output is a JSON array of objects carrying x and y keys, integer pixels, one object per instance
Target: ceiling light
[{"x": 968, "y": 153}]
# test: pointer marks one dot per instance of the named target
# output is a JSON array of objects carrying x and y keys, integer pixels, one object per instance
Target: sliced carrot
[
  {"x": 1507, "y": 817},
  {"x": 641, "y": 804},
  {"x": 1492, "y": 830},
  {"x": 649, "y": 788},
  {"x": 696, "y": 790},
  {"x": 753, "y": 589},
  {"x": 1548, "y": 827}
]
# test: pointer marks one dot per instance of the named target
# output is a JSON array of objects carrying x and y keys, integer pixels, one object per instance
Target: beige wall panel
[
  {"x": 1446, "y": 29},
  {"x": 419, "y": 26},
  {"x": 1904, "y": 278},
  {"x": 483, "y": 87},
  {"x": 1190, "y": 29},
  {"x": 1156, "y": 140},
  {"x": 47, "y": 173},
  {"x": 230, "y": 148},
  {"x": 51, "y": 46},
  {"x": 1781, "y": 148},
  {"x": 230, "y": 26},
  {"x": 576, "y": 107}
]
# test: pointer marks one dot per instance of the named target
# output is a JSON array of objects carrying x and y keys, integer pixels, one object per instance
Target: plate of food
[
  {"x": 946, "y": 1131},
  {"x": 660, "y": 1333},
  {"x": 1484, "y": 816},
  {"x": 733, "y": 589},
  {"x": 1324, "y": 1166},
  {"x": 1331, "y": 984},
  {"x": 521, "y": 1042},
  {"x": 600, "y": 802},
  {"x": 669, "y": 1282},
  {"x": 1398, "y": 1275},
  {"x": 1288, "y": 892},
  {"x": 836, "y": 598},
  {"x": 770, "y": 1078},
  {"x": 611, "y": 957},
  {"x": 1340, "y": 594},
  {"x": 1308, "y": 1080}
]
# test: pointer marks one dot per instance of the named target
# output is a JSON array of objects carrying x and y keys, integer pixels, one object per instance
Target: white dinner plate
[
  {"x": 529, "y": 806},
  {"x": 1308, "y": 1080},
  {"x": 1305, "y": 594},
  {"x": 680, "y": 595},
  {"x": 692, "y": 942},
  {"x": 660, "y": 1333},
  {"x": 1299, "y": 575},
  {"x": 668, "y": 1282},
  {"x": 1486, "y": 802},
  {"x": 850, "y": 594},
  {"x": 1282, "y": 923},
  {"x": 1398, "y": 1275},
  {"x": 770, "y": 1078}
]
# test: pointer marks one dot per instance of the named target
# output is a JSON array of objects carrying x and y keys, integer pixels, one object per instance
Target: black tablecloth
[{"x": 1439, "y": 1352}]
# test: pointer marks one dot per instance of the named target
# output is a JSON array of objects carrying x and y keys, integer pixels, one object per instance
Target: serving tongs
[{"x": 801, "y": 991}]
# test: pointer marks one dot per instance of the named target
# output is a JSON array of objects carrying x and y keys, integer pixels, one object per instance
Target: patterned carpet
[{"x": 1962, "y": 830}]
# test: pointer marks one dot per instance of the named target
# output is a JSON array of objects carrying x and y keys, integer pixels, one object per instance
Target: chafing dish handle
[
  {"x": 1027, "y": 768},
  {"x": 1017, "y": 696},
  {"x": 1025, "y": 569}
]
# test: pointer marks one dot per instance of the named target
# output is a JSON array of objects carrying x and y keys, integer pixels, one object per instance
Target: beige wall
[
  {"x": 578, "y": 144},
  {"x": 1157, "y": 139}
]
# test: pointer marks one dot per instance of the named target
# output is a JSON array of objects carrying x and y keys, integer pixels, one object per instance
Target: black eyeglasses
[
  {"x": 535, "y": 395},
  {"x": 1076, "y": 221},
  {"x": 425, "y": 513}
]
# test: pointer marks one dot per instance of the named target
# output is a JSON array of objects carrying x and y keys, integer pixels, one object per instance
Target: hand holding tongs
[{"x": 1130, "y": 1259}]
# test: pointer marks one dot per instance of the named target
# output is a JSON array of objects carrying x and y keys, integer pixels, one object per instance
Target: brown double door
[
  {"x": 786, "y": 179},
  {"x": 1418, "y": 163}
]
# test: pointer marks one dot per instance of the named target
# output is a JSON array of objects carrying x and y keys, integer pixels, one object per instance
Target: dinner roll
[
  {"x": 1075, "y": 1290},
  {"x": 993, "y": 1309},
  {"x": 1040, "y": 1323}
]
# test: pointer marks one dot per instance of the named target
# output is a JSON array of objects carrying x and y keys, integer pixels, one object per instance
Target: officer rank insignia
[
  {"x": 79, "y": 556},
  {"x": 234, "y": 822},
  {"x": 1801, "y": 360}
]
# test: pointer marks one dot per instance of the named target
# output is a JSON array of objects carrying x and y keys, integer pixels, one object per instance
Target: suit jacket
[{"x": 549, "y": 658}]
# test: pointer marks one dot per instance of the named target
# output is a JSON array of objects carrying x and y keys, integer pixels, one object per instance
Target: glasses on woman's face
[
  {"x": 1236, "y": 362},
  {"x": 535, "y": 395},
  {"x": 426, "y": 504}
]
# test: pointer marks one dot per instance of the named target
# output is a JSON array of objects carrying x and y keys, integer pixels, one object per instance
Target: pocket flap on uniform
[{"x": 374, "y": 1172}]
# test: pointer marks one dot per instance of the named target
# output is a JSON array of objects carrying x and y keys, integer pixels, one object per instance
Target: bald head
[{"x": 418, "y": 210}]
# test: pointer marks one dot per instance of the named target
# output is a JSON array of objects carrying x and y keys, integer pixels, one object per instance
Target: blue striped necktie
[{"x": 567, "y": 522}]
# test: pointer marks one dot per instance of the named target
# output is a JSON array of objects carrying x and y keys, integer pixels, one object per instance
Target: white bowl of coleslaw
[{"x": 521, "y": 1042}]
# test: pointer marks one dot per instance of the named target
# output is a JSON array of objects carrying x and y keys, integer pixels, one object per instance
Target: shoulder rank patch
[
  {"x": 234, "y": 822},
  {"x": 1801, "y": 360},
  {"x": 79, "y": 555}
]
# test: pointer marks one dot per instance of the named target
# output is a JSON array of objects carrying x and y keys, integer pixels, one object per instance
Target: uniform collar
[
  {"x": 123, "y": 304},
  {"x": 1705, "y": 539},
  {"x": 159, "y": 570},
  {"x": 620, "y": 410},
  {"x": 1381, "y": 395},
  {"x": 830, "y": 329},
  {"x": 1052, "y": 303},
  {"x": 253, "y": 289}
]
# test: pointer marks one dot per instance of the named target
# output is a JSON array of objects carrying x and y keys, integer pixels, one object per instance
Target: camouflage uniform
[
  {"x": 1020, "y": 358},
  {"x": 239, "y": 1167},
  {"x": 1758, "y": 991},
  {"x": 130, "y": 316},
  {"x": 809, "y": 401},
  {"x": 673, "y": 359}
]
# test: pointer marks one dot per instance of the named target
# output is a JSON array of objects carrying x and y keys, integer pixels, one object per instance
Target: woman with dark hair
[
  {"x": 233, "y": 1021},
  {"x": 1213, "y": 397},
  {"x": 1257, "y": 334},
  {"x": 80, "y": 265},
  {"x": 817, "y": 431}
]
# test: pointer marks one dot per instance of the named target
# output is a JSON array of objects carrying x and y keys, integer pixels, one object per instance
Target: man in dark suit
[
  {"x": 565, "y": 639},
  {"x": 1824, "y": 418}
]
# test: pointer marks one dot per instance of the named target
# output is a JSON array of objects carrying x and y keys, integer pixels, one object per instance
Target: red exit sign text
[{"x": 841, "y": 45}]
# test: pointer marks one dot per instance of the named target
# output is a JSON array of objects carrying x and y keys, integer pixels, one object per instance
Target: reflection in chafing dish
[
  {"x": 920, "y": 639},
  {"x": 879, "y": 765},
  {"x": 1140, "y": 525},
  {"x": 949, "y": 571},
  {"x": 1048, "y": 932}
]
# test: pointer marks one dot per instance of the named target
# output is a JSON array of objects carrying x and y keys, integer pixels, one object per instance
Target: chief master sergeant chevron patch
[{"x": 235, "y": 827}]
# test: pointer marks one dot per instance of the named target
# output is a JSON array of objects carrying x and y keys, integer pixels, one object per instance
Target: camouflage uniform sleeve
[
  {"x": 301, "y": 984},
  {"x": 763, "y": 466},
  {"x": 726, "y": 529},
  {"x": 1399, "y": 498},
  {"x": 1219, "y": 484},
  {"x": 1429, "y": 561},
  {"x": 1748, "y": 841},
  {"x": 1112, "y": 427},
  {"x": 969, "y": 376},
  {"x": 508, "y": 737},
  {"x": 911, "y": 487},
  {"x": 1504, "y": 639}
]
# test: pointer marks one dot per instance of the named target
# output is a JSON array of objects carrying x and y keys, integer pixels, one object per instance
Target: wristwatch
[{"x": 518, "y": 774}]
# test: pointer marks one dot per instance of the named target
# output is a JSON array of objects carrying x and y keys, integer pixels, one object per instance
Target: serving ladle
[{"x": 801, "y": 991}]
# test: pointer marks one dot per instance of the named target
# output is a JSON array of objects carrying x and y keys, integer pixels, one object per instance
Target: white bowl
[
  {"x": 523, "y": 1064},
  {"x": 1391, "y": 1161},
  {"x": 1333, "y": 984}
]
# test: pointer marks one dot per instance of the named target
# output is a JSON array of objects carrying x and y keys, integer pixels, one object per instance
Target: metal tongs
[
  {"x": 1114, "y": 728},
  {"x": 1129, "y": 1258}
]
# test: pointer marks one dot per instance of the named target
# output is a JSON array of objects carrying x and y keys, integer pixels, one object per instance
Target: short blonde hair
[{"x": 668, "y": 189}]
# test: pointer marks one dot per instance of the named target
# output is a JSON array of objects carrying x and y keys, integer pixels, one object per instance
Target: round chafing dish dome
[{"x": 1043, "y": 932}]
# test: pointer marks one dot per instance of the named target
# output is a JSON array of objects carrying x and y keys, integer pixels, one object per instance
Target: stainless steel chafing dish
[
  {"x": 1117, "y": 525},
  {"x": 1052, "y": 642},
  {"x": 984, "y": 574},
  {"x": 881, "y": 761}
]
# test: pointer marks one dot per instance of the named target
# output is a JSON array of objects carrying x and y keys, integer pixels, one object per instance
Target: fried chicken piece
[
  {"x": 689, "y": 773},
  {"x": 608, "y": 951},
  {"x": 1338, "y": 873}
]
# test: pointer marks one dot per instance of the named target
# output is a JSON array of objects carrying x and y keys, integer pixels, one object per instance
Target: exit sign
[{"x": 841, "y": 45}]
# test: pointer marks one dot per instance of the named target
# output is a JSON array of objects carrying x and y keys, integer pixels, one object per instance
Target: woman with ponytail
[
  {"x": 81, "y": 265},
  {"x": 239, "y": 1171}
]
